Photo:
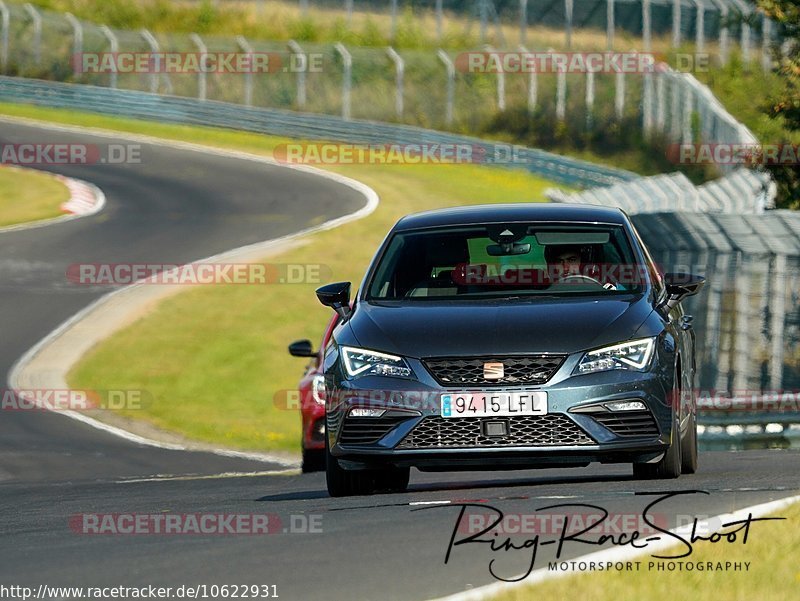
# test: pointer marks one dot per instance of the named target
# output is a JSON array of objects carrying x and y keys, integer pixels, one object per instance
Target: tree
[{"x": 785, "y": 104}]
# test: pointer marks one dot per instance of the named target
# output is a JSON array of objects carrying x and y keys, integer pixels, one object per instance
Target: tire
[
  {"x": 670, "y": 464},
  {"x": 392, "y": 479},
  {"x": 345, "y": 483},
  {"x": 313, "y": 460},
  {"x": 689, "y": 448}
]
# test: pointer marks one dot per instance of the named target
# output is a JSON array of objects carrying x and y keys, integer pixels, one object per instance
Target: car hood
[{"x": 430, "y": 329}]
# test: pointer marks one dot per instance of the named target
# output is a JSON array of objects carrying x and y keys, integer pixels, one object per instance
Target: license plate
[{"x": 489, "y": 404}]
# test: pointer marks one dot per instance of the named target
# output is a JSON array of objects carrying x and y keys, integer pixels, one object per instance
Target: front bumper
[{"x": 414, "y": 406}]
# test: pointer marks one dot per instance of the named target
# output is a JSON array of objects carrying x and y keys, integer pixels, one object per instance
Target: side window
[{"x": 656, "y": 277}]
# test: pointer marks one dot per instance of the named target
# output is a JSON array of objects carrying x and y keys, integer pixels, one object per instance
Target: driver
[
  {"x": 566, "y": 260},
  {"x": 562, "y": 260}
]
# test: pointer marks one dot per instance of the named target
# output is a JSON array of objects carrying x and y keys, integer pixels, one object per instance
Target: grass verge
[
  {"x": 285, "y": 20},
  {"x": 27, "y": 195},
  {"x": 772, "y": 575},
  {"x": 213, "y": 373}
]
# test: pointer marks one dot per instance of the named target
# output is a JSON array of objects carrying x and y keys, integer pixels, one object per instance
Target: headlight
[
  {"x": 361, "y": 362},
  {"x": 318, "y": 388},
  {"x": 634, "y": 355}
]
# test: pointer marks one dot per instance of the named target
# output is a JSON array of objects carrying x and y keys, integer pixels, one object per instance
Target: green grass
[
  {"x": 27, "y": 195},
  {"x": 774, "y": 574},
  {"x": 213, "y": 372}
]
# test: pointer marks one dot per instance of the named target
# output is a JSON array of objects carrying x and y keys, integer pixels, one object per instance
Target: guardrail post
[
  {"x": 533, "y": 85},
  {"x": 778, "y": 310},
  {"x": 676, "y": 23},
  {"x": 647, "y": 105},
  {"x": 393, "y": 32},
  {"x": 523, "y": 21},
  {"x": 302, "y": 67},
  {"x": 687, "y": 115},
  {"x": 610, "y": 24},
  {"x": 114, "y": 46},
  {"x": 647, "y": 26},
  {"x": 619, "y": 94},
  {"x": 766, "y": 41},
  {"x": 561, "y": 90},
  {"x": 451, "y": 85},
  {"x": 154, "y": 48},
  {"x": 77, "y": 42},
  {"x": 304, "y": 7},
  {"x": 248, "y": 76},
  {"x": 347, "y": 61},
  {"x": 568, "y": 11},
  {"x": 6, "y": 23},
  {"x": 36, "y": 19},
  {"x": 348, "y": 7},
  {"x": 589, "y": 98},
  {"x": 723, "y": 31},
  {"x": 501, "y": 80},
  {"x": 399, "y": 69},
  {"x": 661, "y": 102},
  {"x": 201, "y": 74},
  {"x": 675, "y": 108},
  {"x": 700, "y": 26},
  {"x": 745, "y": 11},
  {"x": 439, "y": 20}
]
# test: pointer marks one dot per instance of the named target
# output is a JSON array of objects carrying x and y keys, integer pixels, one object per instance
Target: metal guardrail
[
  {"x": 750, "y": 423},
  {"x": 741, "y": 192},
  {"x": 173, "y": 109}
]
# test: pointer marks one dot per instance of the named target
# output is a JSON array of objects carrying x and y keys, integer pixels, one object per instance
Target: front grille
[
  {"x": 529, "y": 430},
  {"x": 628, "y": 423},
  {"x": 367, "y": 430},
  {"x": 468, "y": 371}
]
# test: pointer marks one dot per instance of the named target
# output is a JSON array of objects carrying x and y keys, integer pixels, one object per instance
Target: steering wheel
[{"x": 581, "y": 278}]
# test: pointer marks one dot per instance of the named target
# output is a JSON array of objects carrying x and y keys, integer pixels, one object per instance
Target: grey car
[{"x": 509, "y": 337}]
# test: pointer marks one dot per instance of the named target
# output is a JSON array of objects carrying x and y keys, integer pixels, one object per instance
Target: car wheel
[
  {"x": 313, "y": 460},
  {"x": 670, "y": 464},
  {"x": 345, "y": 483},
  {"x": 689, "y": 448},
  {"x": 392, "y": 479}
]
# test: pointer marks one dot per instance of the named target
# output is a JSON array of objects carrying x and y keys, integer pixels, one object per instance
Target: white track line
[
  {"x": 223, "y": 475},
  {"x": 626, "y": 553},
  {"x": 371, "y": 204}
]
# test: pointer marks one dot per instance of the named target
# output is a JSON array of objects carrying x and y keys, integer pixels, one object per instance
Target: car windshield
[{"x": 506, "y": 260}]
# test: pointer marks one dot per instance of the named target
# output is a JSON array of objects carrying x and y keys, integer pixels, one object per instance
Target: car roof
[{"x": 507, "y": 213}]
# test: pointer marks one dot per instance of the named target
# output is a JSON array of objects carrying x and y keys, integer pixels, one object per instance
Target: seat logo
[{"x": 493, "y": 371}]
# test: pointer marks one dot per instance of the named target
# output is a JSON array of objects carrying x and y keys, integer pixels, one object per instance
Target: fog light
[
  {"x": 626, "y": 406},
  {"x": 363, "y": 412}
]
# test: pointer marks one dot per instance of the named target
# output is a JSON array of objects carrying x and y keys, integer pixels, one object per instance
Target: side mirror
[
  {"x": 302, "y": 348},
  {"x": 337, "y": 297},
  {"x": 681, "y": 285}
]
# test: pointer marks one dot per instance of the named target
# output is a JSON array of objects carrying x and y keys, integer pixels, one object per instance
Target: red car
[{"x": 312, "y": 400}]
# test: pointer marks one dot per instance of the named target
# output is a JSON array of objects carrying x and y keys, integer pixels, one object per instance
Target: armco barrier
[{"x": 173, "y": 109}]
